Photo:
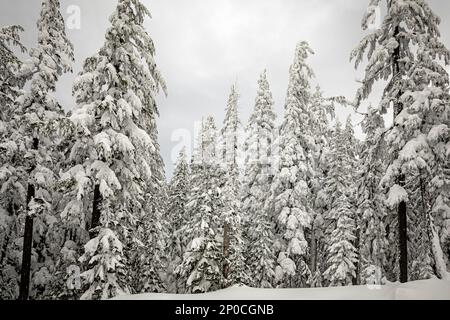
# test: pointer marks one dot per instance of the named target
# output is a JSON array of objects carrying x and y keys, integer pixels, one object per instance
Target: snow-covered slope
[{"x": 425, "y": 289}]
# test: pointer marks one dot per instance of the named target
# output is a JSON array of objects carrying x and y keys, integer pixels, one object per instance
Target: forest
[{"x": 87, "y": 211}]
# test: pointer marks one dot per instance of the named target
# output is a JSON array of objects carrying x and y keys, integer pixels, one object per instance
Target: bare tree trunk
[
  {"x": 95, "y": 220},
  {"x": 313, "y": 261},
  {"x": 27, "y": 238},
  {"x": 226, "y": 249},
  {"x": 356, "y": 279}
]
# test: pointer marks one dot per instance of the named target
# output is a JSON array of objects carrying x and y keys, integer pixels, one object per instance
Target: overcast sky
[{"x": 204, "y": 46}]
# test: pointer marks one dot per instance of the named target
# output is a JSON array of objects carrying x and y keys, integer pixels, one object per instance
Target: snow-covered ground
[{"x": 425, "y": 289}]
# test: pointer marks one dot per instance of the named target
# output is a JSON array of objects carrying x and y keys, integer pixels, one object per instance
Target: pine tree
[
  {"x": 12, "y": 178},
  {"x": 372, "y": 211},
  {"x": 233, "y": 268},
  {"x": 201, "y": 265},
  {"x": 258, "y": 176},
  {"x": 322, "y": 110},
  {"x": 104, "y": 254},
  {"x": 292, "y": 195},
  {"x": 341, "y": 251},
  {"x": 405, "y": 52},
  {"x": 36, "y": 122},
  {"x": 113, "y": 155},
  {"x": 341, "y": 254},
  {"x": 177, "y": 215}
]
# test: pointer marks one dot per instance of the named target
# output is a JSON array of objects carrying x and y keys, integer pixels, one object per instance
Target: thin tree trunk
[
  {"x": 356, "y": 279},
  {"x": 27, "y": 238},
  {"x": 313, "y": 261},
  {"x": 226, "y": 249},
  {"x": 95, "y": 219}
]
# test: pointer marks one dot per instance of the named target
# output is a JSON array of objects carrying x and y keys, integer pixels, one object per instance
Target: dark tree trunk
[
  {"x": 95, "y": 221},
  {"x": 313, "y": 261},
  {"x": 356, "y": 279},
  {"x": 27, "y": 238},
  {"x": 226, "y": 249}
]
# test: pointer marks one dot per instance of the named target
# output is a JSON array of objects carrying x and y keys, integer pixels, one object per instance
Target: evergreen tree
[
  {"x": 177, "y": 215},
  {"x": 340, "y": 225},
  {"x": 372, "y": 211},
  {"x": 233, "y": 268},
  {"x": 114, "y": 151},
  {"x": 405, "y": 52},
  {"x": 259, "y": 174},
  {"x": 12, "y": 177},
  {"x": 291, "y": 192},
  {"x": 36, "y": 122},
  {"x": 202, "y": 262}
]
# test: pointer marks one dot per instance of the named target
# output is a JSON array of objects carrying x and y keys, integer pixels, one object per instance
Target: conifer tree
[
  {"x": 12, "y": 175},
  {"x": 341, "y": 254},
  {"x": 291, "y": 193},
  {"x": 177, "y": 214},
  {"x": 372, "y": 210},
  {"x": 114, "y": 152},
  {"x": 201, "y": 268},
  {"x": 37, "y": 121},
  {"x": 405, "y": 52},
  {"x": 258, "y": 175}
]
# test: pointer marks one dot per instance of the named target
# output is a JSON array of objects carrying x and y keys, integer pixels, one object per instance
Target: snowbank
[{"x": 425, "y": 289}]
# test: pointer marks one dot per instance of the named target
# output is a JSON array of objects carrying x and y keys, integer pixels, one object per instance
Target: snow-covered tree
[
  {"x": 12, "y": 177},
  {"x": 113, "y": 155},
  {"x": 342, "y": 254},
  {"x": 106, "y": 276},
  {"x": 371, "y": 209},
  {"x": 258, "y": 176},
  {"x": 322, "y": 112},
  {"x": 291, "y": 192},
  {"x": 177, "y": 215},
  {"x": 201, "y": 268},
  {"x": 36, "y": 122},
  {"x": 406, "y": 52},
  {"x": 233, "y": 267}
]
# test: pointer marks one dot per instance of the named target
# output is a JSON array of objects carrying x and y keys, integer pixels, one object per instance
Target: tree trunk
[
  {"x": 356, "y": 279},
  {"x": 226, "y": 249},
  {"x": 95, "y": 219},
  {"x": 313, "y": 261},
  {"x": 27, "y": 238}
]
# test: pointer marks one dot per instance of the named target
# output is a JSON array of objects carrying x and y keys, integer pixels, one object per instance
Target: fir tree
[
  {"x": 292, "y": 195},
  {"x": 201, "y": 265},
  {"x": 114, "y": 150},
  {"x": 36, "y": 122},
  {"x": 258, "y": 221},
  {"x": 405, "y": 52},
  {"x": 177, "y": 214},
  {"x": 372, "y": 211},
  {"x": 12, "y": 175}
]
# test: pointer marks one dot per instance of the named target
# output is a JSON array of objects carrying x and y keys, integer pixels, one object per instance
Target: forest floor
[{"x": 432, "y": 289}]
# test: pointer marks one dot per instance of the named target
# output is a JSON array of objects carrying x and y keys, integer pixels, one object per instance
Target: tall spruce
[
  {"x": 258, "y": 176},
  {"x": 201, "y": 268},
  {"x": 291, "y": 192},
  {"x": 406, "y": 52},
  {"x": 113, "y": 154},
  {"x": 37, "y": 122}
]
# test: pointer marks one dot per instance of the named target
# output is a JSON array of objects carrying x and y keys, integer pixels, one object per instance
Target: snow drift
[{"x": 425, "y": 289}]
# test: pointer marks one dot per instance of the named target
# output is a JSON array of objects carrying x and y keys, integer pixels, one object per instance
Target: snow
[
  {"x": 425, "y": 289},
  {"x": 396, "y": 195}
]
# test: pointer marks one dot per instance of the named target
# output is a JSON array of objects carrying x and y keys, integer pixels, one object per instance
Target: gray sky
[{"x": 204, "y": 46}]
